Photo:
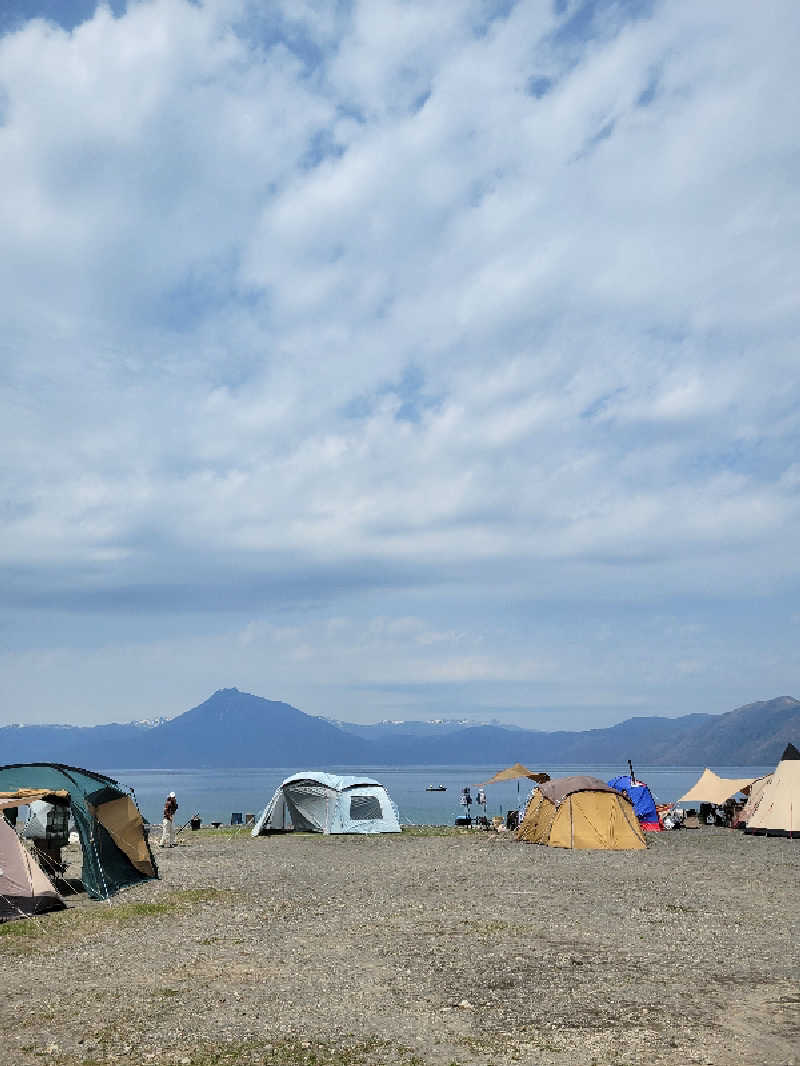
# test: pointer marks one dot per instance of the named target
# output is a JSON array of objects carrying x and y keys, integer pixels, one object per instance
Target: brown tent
[{"x": 581, "y": 812}]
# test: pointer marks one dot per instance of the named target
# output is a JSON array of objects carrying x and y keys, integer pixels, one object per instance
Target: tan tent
[
  {"x": 711, "y": 788},
  {"x": 122, "y": 819},
  {"x": 581, "y": 812},
  {"x": 514, "y": 773},
  {"x": 778, "y": 809}
]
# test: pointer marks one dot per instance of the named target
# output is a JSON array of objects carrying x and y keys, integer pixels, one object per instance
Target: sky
[{"x": 399, "y": 360}]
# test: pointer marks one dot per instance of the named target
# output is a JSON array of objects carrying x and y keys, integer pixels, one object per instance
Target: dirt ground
[{"x": 459, "y": 948}]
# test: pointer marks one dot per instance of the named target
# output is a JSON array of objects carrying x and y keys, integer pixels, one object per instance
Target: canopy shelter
[
  {"x": 777, "y": 811},
  {"x": 116, "y": 853},
  {"x": 714, "y": 789},
  {"x": 318, "y": 802},
  {"x": 581, "y": 812},
  {"x": 515, "y": 773}
]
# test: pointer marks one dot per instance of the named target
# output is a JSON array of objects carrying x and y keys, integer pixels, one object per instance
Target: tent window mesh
[{"x": 365, "y": 808}]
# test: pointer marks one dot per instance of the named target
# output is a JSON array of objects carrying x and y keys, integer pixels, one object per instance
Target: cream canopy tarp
[
  {"x": 711, "y": 788},
  {"x": 514, "y": 773},
  {"x": 23, "y": 796}
]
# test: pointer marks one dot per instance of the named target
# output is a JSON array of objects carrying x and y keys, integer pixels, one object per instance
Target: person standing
[{"x": 168, "y": 825}]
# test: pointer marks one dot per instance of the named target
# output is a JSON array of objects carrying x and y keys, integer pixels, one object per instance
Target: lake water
[{"x": 216, "y": 794}]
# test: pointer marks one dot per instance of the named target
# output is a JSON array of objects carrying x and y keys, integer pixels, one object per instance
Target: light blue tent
[{"x": 316, "y": 802}]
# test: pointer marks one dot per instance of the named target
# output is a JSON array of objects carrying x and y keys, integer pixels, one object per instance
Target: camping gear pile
[
  {"x": 770, "y": 807},
  {"x": 318, "y": 802}
]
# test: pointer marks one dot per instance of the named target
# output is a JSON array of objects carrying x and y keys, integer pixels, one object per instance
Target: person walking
[{"x": 168, "y": 825}]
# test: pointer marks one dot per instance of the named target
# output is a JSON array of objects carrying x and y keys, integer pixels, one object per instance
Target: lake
[{"x": 216, "y": 794}]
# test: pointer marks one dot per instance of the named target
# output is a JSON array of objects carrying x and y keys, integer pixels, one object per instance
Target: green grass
[
  {"x": 434, "y": 831},
  {"x": 30, "y": 933},
  {"x": 288, "y": 1052},
  {"x": 24, "y": 927}
]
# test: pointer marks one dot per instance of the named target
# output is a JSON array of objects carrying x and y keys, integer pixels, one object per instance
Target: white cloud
[{"x": 304, "y": 301}]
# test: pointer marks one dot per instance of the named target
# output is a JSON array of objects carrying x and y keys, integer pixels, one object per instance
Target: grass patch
[
  {"x": 62, "y": 926},
  {"x": 24, "y": 927},
  {"x": 433, "y": 831},
  {"x": 175, "y": 902},
  {"x": 188, "y": 836},
  {"x": 288, "y": 1052}
]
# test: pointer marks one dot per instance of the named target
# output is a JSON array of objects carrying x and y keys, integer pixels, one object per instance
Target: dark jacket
[{"x": 170, "y": 807}]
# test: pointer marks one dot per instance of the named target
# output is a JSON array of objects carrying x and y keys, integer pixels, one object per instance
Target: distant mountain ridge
[{"x": 238, "y": 729}]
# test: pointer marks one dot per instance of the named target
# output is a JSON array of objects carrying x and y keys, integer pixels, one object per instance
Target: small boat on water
[{"x": 436, "y": 788}]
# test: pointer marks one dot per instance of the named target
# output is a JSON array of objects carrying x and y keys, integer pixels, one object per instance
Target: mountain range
[{"x": 237, "y": 729}]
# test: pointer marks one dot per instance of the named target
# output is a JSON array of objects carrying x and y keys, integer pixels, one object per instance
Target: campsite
[
  {"x": 325, "y": 933},
  {"x": 425, "y": 947}
]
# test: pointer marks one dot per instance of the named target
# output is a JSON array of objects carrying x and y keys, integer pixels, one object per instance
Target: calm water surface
[{"x": 216, "y": 794}]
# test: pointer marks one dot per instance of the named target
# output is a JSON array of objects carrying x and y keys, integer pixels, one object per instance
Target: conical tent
[
  {"x": 583, "y": 813},
  {"x": 25, "y": 889},
  {"x": 116, "y": 853},
  {"x": 754, "y": 794},
  {"x": 778, "y": 810}
]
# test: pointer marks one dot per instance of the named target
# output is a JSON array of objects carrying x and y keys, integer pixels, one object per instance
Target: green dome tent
[{"x": 116, "y": 853}]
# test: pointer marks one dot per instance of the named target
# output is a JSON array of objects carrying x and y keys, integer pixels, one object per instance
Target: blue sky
[{"x": 399, "y": 360}]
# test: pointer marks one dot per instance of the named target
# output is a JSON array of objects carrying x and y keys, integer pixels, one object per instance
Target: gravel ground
[{"x": 459, "y": 948}]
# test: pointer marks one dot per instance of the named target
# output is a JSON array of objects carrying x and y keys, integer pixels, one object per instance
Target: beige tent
[
  {"x": 514, "y": 773},
  {"x": 778, "y": 810},
  {"x": 753, "y": 800},
  {"x": 581, "y": 812},
  {"x": 711, "y": 788},
  {"x": 25, "y": 889}
]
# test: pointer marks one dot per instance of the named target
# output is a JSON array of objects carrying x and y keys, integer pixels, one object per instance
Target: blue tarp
[{"x": 640, "y": 796}]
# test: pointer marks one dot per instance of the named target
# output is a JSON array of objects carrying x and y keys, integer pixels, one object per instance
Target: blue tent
[
  {"x": 317, "y": 802},
  {"x": 640, "y": 796}
]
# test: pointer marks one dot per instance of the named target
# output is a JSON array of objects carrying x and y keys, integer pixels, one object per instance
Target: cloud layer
[{"x": 398, "y": 356}]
